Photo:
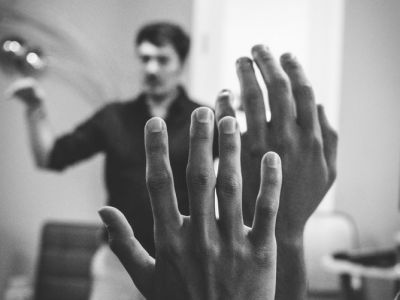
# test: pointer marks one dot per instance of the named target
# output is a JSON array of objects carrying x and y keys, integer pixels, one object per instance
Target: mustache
[{"x": 152, "y": 79}]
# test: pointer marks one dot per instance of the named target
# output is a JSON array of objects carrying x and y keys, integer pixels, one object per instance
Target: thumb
[{"x": 136, "y": 260}]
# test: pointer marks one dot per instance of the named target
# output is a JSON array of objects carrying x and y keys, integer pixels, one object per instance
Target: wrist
[
  {"x": 292, "y": 239},
  {"x": 288, "y": 232}
]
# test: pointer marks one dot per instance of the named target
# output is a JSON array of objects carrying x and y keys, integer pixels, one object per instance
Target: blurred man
[{"x": 117, "y": 131}]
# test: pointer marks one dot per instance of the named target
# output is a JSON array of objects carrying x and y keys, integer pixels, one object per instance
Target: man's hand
[
  {"x": 41, "y": 136},
  {"x": 27, "y": 90},
  {"x": 299, "y": 132},
  {"x": 199, "y": 256}
]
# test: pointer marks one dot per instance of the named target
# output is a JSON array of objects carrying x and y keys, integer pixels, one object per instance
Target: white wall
[
  {"x": 91, "y": 60},
  {"x": 369, "y": 142}
]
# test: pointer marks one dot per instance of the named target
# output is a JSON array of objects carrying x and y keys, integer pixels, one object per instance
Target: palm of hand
[{"x": 223, "y": 268}]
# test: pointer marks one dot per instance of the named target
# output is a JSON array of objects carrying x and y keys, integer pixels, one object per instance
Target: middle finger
[
  {"x": 278, "y": 86},
  {"x": 200, "y": 174}
]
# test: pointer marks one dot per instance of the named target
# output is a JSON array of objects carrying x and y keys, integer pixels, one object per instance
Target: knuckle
[
  {"x": 279, "y": 84},
  {"x": 305, "y": 92},
  {"x": 200, "y": 177},
  {"x": 251, "y": 93},
  {"x": 228, "y": 146},
  {"x": 286, "y": 143},
  {"x": 229, "y": 184},
  {"x": 334, "y": 137},
  {"x": 266, "y": 256},
  {"x": 169, "y": 249},
  {"x": 316, "y": 145},
  {"x": 268, "y": 211},
  {"x": 158, "y": 180},
  {"x": 156, "y": 147},
  {"x": 312, "y": 144},
  {"x": 208, "y": 250},
  {"x": 237, "y": 251}
]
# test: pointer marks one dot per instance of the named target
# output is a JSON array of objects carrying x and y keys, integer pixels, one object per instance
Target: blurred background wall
[{"x": 369, "y": 143}]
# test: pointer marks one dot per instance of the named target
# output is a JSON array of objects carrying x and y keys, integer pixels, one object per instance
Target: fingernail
[
  {"x": 244, "y": 61},
  {"x": 225, "y": 96},
  {"x": 288, "y": 56},
  {"x": 154, "y": 125},
  {"x": 273, "y": 159},
  {"x": 228, "y": 125},
  {"x": 259, "y": 47},
  {"x": 225, "y": 93},
  {"x": 203, "y": 115},
  {"x": 103, "y": 216},
  {"x": 265, "y": 47}
]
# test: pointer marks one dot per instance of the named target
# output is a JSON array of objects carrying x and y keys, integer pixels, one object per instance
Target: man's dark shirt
[{"x": 118, "y": 131}]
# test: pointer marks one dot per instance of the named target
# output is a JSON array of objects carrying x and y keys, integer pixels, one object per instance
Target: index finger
[
  {"x": 253, "y": 103},
  {"x": 159, "y": 176}
]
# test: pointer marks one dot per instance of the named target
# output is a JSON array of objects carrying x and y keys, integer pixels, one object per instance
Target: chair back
[
  {"x": 63, "y": 270},
  {"x": 326, "y": 233}
]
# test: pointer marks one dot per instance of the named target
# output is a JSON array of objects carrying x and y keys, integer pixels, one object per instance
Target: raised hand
[
  {"x": 41, "y": 136},
  {"x": 300, "y": 133},
  {"x": 27, "y": 90},
  {"x": 199, "y": 256}
]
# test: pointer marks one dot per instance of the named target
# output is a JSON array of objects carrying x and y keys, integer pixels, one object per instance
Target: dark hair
[{"x": 162, "y": 33}]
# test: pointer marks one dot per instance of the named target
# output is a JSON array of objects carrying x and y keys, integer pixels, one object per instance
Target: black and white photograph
[{"x": 200, "y": 150}]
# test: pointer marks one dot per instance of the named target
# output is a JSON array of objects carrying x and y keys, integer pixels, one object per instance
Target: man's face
[{"x": 160, "y": 69}]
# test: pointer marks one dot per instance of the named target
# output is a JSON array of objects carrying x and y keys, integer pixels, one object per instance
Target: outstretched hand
[
  {"x": 199, "y": 256},
  {"x": 300, "y": 133}
]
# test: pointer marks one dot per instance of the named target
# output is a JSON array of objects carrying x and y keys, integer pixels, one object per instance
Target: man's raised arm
[{"x": 39, "y": 130}]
